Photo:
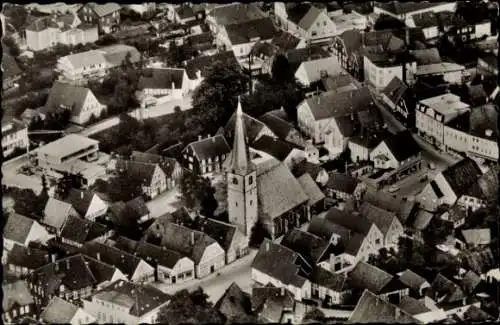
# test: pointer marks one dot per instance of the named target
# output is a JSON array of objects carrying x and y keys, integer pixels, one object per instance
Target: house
[
  {"x": 170, "y": 166},
  {"x": 183, "y": 14},
  {"x": 342, "y": 186},
  {"x": 386, "y": 222},
  {"x": 355, "y": 237},
  {"x": 142, "y": 8},
  {"x": 235, "y": 13},
  {"x": 316, "y": 203},
  {"x": 206, "y": 155},
  {"x": 160, "y": 85},
  {"x": 77, "y": 231},
  {"x": 133, "y": 267},
  {"x": 72, "y": 278},
  {"x": 274, "y": 304},
  {"x": 22, "y": 230},
  {"x": 404, "y": 10},
  {"x": 11, "y": 70},
  {"x": 452, "y": 73},
  {"x": 312, "y": 71},
  {"x": 483, "y": 132},
  {"x": 484, "y": 263},
  {"x": 348, "y": 21},
  {"x": 59, "y": 311},
  {"x": 86, "y": 203},
  {"x": 317, "y": 173},
  {"x": 21, "y": 260},
  {"x": 206, "y": 253},
  {"x": 340, "y": 83},
  {"x": 396, "y": 96},
  {"x": 415, "y": 282},
  {"x": 399, "y": 152},
  {"x": 56, "y": 213},
  {"x": 137, "y": 304},
  {"x": 61, "y": 155},
  {"x": 316, "y": 115},
  {"x": 282, "y": 267},
  {"x": 282, "y": 150},
  {"x": 451, "y": 185},
  {"x": 421, "y": 312},
  {"x": 374, "y": 309},
  {"x": 330, "y": 287},
  {"x": 105, "y": 16},
  {"x": 404, "y": 209},
  {"x": 151, "y": 176},
  {"x": 365, "y": 276},
  {"x": 417, "y": 223},
  {"x": 470, "y": 282},
  {"x": 80, "y": 101},
  {"x": 476, "y": 314},
  {"x": 282, "y": 128},
  {"x": 45, "y": 32},
  {"x": 301, "y": 54},
  {"x": 433, "y": 113},
  {"x": 361, "y": 146},
  {"x": 477, "y": 237},
  {"x": 229, "y": 237},
  {"x": 17, "y": 302},
  {"x": 305, "y": 20},
  {"x": 427, "y": 56},
  {"x": 197, "y": 68},
  {"x": 235, "y": 304},
  {"x": 14, "y": 136},
  {"x": 433, "y": 24},
  {"x": 313, "y": 249},
  {"x": 78, "y": 67}
]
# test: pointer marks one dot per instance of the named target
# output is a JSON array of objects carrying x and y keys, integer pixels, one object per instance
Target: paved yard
[{"x": 163, "y": 203}]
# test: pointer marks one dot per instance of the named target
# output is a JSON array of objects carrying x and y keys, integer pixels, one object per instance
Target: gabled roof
[
  {"x": 341, "y": 182},
  {"x": 16, "y": 293},
  {"x": 329, "y": 280},
  {"x": 470, "y": 282},
  {"x": 164, "y": 78},
  {"x": 280, "y": 262},
  {"x": 340, "y": 83},
  {"x": 28, "y": 257},
  {"x": 185, "y": 11},
  {"x": 399, "y": 8},
  {"x": 462, "y": 175},
  {"x": 80, "y": 200},
  {"x": 210, "y": 147},
  {"x": 413, "y": 306},
  {"x": 143, "y": 172},
  {"x": 295, "y": 57},
  {"x": 277, "y": 148},
  {"x": 160, "y": 255},
  {"x": 402, "y": 208},
  {"x": 339, "y": 222},
  {"x": 309, "y": 246},
  {"x": 59, "y": 311},
  {"x": 285, "y": 41},
  {"x": 10, "y": 68},
  {"x": 236, "y": 13},
  {"x": 245, "y": 32},
  {"x": 167, "y": 164},
  {"x": 105, "y": 9},
  {"x": 395, "y": 90},
  {"x": 17, "y": 228},
  {"x": 306, "y": 167},
  {"x": 369, "y": 277},
  {"x": 402, "y": 145},
  {"x": 261, "y": 294},
  {"x": 81, "y": 230},
  {"x": 477, "y": 236},
  {"x": 427, "y": 56},
  {"x": 125, "y": 262},
  {"x": 203, "y": 63},
  {"x": 476, "y": 314},
  {"x": 420, "y": 220},
  {"x": 412, "y": 280},
  {"x": 311, "y": 189},
  {"x": 481, "y": 261},
  {"x": 373, "y": 309},
  {"x": 443, "y": 287},
  {"x": 383, "y": 219},
  {"x": 56, "y": 212},
  {"x": 278, "y": 126},
  {"x": 136, "y": 298},
  {"x": 253, "y": 128},
  {"x": 234, "y": 302},
  {"x": 484, "y": 118},
  {"x": 222, "y": 232},
  {"x": 66, "y": 96}
]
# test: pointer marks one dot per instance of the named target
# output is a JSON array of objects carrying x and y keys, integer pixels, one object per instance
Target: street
[{"x": 163, "y": 203}]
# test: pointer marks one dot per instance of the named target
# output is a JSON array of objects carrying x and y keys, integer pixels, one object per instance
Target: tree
[
  {"x": 437, "y": 231},
  {"x": 214, "y": 101},
  {"x": 17, "y": 15},
  {"x": 26, "y": 202},
  {"x": 281, "y": 71},
  {"x": 387, "y": 22},
  {"x": 315, "y": 315},
  {"x": 198, "y": 194},
  {"x": 12, "y": 46},
  {"x": 257, "y": 234},
  {"x": 186, "y": 307}
]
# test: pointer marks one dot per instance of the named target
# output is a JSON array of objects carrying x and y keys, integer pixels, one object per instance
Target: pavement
[{"x": 163, "y": 203}]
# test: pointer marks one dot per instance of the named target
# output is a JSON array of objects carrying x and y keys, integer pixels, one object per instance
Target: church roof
[{"x": 240, "y": 163}]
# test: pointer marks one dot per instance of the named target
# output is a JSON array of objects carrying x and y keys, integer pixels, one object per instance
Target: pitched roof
[
  {"x": 80, "y": 200},
  {"x": 369, "y": 277},
  {"x": 116, "y": 54},
  {"x": 413, "y": 306},
  {"x": 476, "y": 314},
  {"x": 285, "y": 41},
  {"x": 383, "y": 219},
  {"x": 236, "y": 13},
  {"x": 17, "y": 227},
  {"x": 402, "y": 145},
  {"x": 125, "y": 262},
  {"x": 210, "y": 147},
  {"x": 395, "y": 90},
  {"x": 16, "y": 293},
  {"x": 66, "y": 96},
  {"x": 184, "y": 11},
  {"x": 315, "y": 69},
  {"x": 279, "y": 191},
  {"x": 139, "y": 170},
  {"x": 306, "y": 167},
  {"x": 278, "y": 126},
  {"x": 426, "y": 20},
  {"x": 222, "y": 232},
  {"x": 164, "y": 78},
  {"x": 245, "y": 32},
  {"x": 340, "y": 222},
  {"x": 277, "y": 148},
  {"x": 136, "y": 298},
  {"x": 442, "y": 287},
  {"x": 481, "y": 261},
  {"x": 339, "y": 82},
  {"x": 412, "y": 279},
  {"x": 203, "y": 63},
  {"x": 167, "y": 164},
  {"x": 59, "y": 311},
  {"x": 105, "y": 9},
  {"x": 341, "y": 182},
  {"x": 10, "y": 68},
  {"x": 280, "y": 262},
  {"x": 427, "y": 56},
  {"x": 56, "y": 212},
  {"x": 402, "y": 208},
  {"x": 470, "y": 282},
  {"x": 234, "y": 302},
  {"x": 253, "y": 127},
  {"x": 309, "y": 246},
  {"x": 373, "y": 309},
  {"x": 329, "y": 280},
  {"x": 462, "y": 175},
  {"x": 161, "y": 255},
  {"x": 261, "y": 294},
  {"x": 295, "y": 57},
  {"x": 477, "y": 236},
  {"x": 484, "y": 118},
  {"x": 28, "y": 257},
  {"x": 332, "y": 104},
  {"x": 311, "y": 189},
  {"x": 398, "y": 8}
]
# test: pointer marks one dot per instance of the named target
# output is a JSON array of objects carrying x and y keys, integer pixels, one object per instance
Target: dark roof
[
  {"x": 101, "y": 271},
  {"x": 167, "y": 164},
  {"x": 141, "y": 171},
  {"x": 42, "y": 23},
  {"x": 306, "y": 167},
  {"x": 222, "y": 232},
  {"x": 244, "y": 32},
  {"x": 412, "y": 280},
  {"x": 66, "y": 96},
  {"x": 462, "y": 175},
  {"x": 327, "y": 279},
  {"x": 126, "y": 262},
  {"x": 18, "y": 227},
  {"x": 383, "y": 219},
  {"x": 160, "y": 255},
  {"x": 261, "y": 294},
  {"x": 334, "y": 217},
  {"x": 426, "y": 19},
  {"x": 28, "y": 257},
  {"x": 210, "y": 147},
  {"x": 203, "y": 63},
  {"x": 278, "y": 126},
  {"x": 395, "y": 90},
  {"x": 341, "y": 182},
  {"x": 234, "y": 302},
  {"x": 161, "y": 78},
  {"x": 476, "y": 314},
  {"x": 184, "y": 11},
  {"x": 370, "y": 141},
  {"x": 297, "y": 11},
  {"x": 470, "y": 282},
  {"x": 484, "y": 118},
  {"x": 253, "y": 128},
  {"x": 142, "y": 298},
  {"x": 295, "y": 57},
  {"x": 373, "y": 309},
  {"x": 398, "y": 8},
  {"x": 413, "y": 306},
  {"x": 80, "y": 200},
  {"x": 76, "y": 229},
  {"x": 336, "y": 82},
  {"x": 280, "y": 262},
  {"x": 309, "y": 246},
  {"x": 443, "y": 287},
  {"x": 332, "y": 104},
  {"x": 481, "y": 261},
  {"x": 367, "y": 276},
  {"x": 427, "y": 56},
  {"x": 402, "y": 145},
  {"x": 105, "y": 9},
  {"x": 10, "y": 68},
  {"x": 277, "y": 148},
  {"x": 285, "y": 41},
  {"x": 236, "y": 13},
  {"x": 403, "y": 208}
]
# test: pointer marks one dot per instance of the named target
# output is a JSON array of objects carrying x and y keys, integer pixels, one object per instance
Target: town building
[
  {"x": 405, "y": 10},
  {"x": 284, "y": 151},
  {"x": 56, "y": 213},
  {"x": 206, "y": 155},
  {"x": 452, "y": 73},
  {"x": 21, "y": 260},
  {"x": 77, "y": 231},
  {"x": 158, "y": 86},
  {"x": 170, "y": 166},
  {"x": 86, "y": 203},
  {"x": 14, "y": 135},
  {"x": 151, "y": 177},
  {"x": 105, "y": 16},
  {"x": 17, "y": 302},
  {"x": 341, "y": 186},
  {"x": 397, "y": 96},
  {"x": 22, "y": 230},
  {"x": 10, "y": 69},
  {"x": 415, "y": 282},
  {"x": 59, "y": 311}
]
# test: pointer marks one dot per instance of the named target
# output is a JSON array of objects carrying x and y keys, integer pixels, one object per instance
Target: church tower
[{"x": 241, "y": 181}]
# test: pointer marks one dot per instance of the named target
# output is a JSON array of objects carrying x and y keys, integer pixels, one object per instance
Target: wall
[
  {"x": 96, "y": 208},
  {"x": 323, "y": 27},
  {"x": 380, "y": 76},
  {"x": 392, "y": 237},
  {"x": 449, "y": 196},
  {"x": 456, "y": 139},
  {"x": 382, "y": 149},
  {"x": 14, "y": 140},
  {"x": 143, "y": 272},
  {"x": 38, "y": 233},
  {"x": 358, "y": 153},
  {"x": 214, "y": 256},
  {"x": 482, "y": 147},
  {"x": 299, "y": 293}
]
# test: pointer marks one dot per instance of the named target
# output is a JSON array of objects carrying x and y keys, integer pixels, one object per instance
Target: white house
[
  {"x": 396, "y": 151},
  {"x": 23, "y": 230},
  {"x": 404, "y": 10},
  {"x": 162, "y": 85},
  {"x": 60, "y": 311},
  {"x": 311, "y": 71},
  {"x": 88, "y": 204},
  {"x": 14, "y": 135},
  {"x": 138, "y": 304},
  {"x": 380, "y": 68}
]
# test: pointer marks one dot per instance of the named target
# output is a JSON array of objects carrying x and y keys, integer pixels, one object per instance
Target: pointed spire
[{"x": 240, "y": 153}]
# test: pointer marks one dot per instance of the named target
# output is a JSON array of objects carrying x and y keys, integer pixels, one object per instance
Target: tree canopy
[
  {"x": 26, "y": 202},
  {"x": 257, "y": 234},
  {"x": 198, "y": 194}
]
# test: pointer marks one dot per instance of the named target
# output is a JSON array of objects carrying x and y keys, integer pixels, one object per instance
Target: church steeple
[{"x": 240, "y": 155}]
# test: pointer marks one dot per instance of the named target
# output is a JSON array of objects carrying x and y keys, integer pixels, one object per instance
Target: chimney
[
  {"x": 81, "y": 195},
  {"x": 407, "y": 37},
  {"x": 56, "y": 267},
  {"x": 98, "y": 256},
  {"x": 192, "y": 238},
  {"x": 173, "y": 85},
  {"x": 332, "y": 262},
  {"x": 199, "y": 137},
  {"x": 267, "y": 246},
  {"x": 198, "y": 74},
  {"x": 282, "y": 291},
  {"x": 67, "y": 264},
  {"x": 53, "y": 257}
]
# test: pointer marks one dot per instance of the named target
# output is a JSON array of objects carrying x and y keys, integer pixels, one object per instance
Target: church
[{"x": 260, "y": 187}]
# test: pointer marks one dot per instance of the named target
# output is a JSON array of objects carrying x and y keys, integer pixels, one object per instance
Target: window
[
  {"x": 324, "y": 23},
  {"x": 250, "y": 180},
  {"x": 235, "y": 181},
  {"x": 189, "y": 273},
  {"x": 314, "y": 33},
  {"x": 377, "y": 241},
  {"x": 251, "y": 201}
]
